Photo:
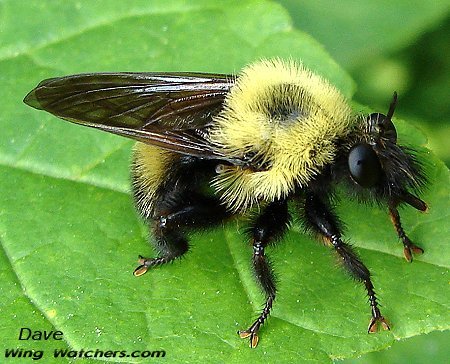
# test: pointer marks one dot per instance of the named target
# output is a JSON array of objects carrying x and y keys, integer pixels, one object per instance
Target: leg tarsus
[
  {"x": 170, "y": 243},
  {"x": 377, "y": 317},
  {"x": 146, "y": 263},
  {"x": 409, "y": 246},
  {"x": 252, "y": 331},
  {"x": 373, "y": 324}
]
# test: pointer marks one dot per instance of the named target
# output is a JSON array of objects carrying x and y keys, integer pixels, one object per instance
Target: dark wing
[{"x": 168, "y": 110}]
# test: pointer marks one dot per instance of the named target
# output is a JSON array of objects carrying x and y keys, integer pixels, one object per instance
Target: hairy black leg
[
  {"x": 321, "y": 219},
  {"x": 409, "y": 246},
  {"x": 189, "y": 211},
  {"x": 269, "y": 226}
]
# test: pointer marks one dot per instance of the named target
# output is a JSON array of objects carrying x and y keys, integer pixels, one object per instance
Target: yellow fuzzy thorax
[{"x": 286, "y": 120}]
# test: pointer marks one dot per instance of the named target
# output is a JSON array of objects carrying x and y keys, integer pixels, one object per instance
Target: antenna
[{"x": 392, "y": 106}]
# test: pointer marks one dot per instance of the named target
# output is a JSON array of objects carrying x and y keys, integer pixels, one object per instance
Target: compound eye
[{"x": 364, "y": 166}]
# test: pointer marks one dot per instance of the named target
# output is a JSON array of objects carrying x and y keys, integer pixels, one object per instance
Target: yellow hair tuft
[
  {"x": 150, "y": 166},
  {"x": 284, "y": 118}
]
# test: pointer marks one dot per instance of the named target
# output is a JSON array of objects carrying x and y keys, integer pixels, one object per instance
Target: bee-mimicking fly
[{"x": 211, "y": 146}]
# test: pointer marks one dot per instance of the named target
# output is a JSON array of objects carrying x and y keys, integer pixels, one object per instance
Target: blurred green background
[{"x": 385, "y": 47}]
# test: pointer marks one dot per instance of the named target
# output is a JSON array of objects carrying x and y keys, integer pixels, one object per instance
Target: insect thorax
[{"x": 283, "y": 121}]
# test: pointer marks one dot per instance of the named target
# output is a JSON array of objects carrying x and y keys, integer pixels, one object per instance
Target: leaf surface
[{"x": 70, "y": 236}]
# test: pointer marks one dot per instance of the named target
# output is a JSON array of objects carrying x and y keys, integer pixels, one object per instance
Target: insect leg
[
  {"x": 188, "y": 211},
  {"x": 267, "y": 228},
  {"x": 321, "y": 219},
  {"x": 409, "y": 246}
]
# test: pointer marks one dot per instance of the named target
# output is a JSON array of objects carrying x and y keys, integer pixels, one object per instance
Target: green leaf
[
  {"x": 70, "y": 236},
  {"x": 412, "y": 351}
]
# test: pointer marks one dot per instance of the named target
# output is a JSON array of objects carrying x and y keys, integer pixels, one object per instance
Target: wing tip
[{"x": 31, "y": 100}]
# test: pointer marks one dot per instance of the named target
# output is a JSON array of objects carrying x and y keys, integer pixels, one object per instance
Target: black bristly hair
[{"x": 401, "y": 172}]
